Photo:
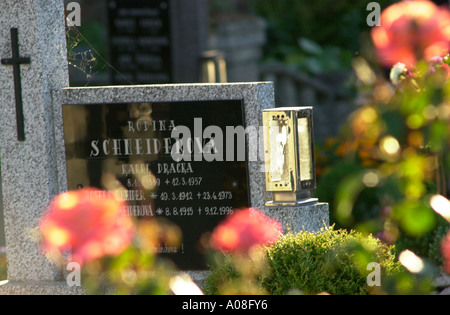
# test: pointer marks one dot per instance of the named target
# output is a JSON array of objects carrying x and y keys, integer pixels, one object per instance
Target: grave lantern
[
  {"x": 289, "y": 155},
  {"x": 213, "y": 67}
]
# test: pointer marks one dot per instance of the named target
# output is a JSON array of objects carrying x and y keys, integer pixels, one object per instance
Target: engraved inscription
[{"x": 126, "y": 149}]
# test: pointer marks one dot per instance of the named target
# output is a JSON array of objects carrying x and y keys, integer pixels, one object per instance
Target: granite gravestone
[
  {"x": 126, "y": 140},
  {"x": 156, "y": 41},
  {"x": 129, "y": 138},
  {"x": 32, "y": 33}
]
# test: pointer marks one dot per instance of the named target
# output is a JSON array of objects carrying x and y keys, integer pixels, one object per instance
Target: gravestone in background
[
  {"x": 241, "y": 41},
  {"x": 156, "y": 41}
]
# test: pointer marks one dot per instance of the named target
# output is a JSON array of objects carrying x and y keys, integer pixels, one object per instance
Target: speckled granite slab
[{"x": 28, "y": 168}]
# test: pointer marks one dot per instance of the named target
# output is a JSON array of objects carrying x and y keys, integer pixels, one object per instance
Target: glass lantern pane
[
  {"x": 278, "y": 135},
  {"x": 304, "y": 140}
]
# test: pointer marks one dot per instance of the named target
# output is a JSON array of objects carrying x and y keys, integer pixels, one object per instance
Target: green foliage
[
  {"x": 391, "y": 157},
  {"x": 367, "y": 208},
  {"x": 138, "y": 270},
  {"x": 223, "y": 272},
  {"x": 337, "y": 28},
  {"x": 332, "y": 261},
  {"x": 313, "y": 58},
  {"x": 427, "y": 246},
  {"x": 220, "y": 273},
  {"x": 134, "y": 272}
]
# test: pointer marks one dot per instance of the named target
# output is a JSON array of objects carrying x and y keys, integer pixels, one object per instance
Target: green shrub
[
  {"x": 427, "y": 246},
  {"x": 332, "y": 261}
]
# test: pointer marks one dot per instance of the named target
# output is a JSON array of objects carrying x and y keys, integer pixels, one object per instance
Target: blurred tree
[{"x": 338, "y": 23}]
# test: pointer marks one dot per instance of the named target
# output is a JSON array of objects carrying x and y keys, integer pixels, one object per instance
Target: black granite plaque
[
  {"x": 194, "y": 178},
  {"x": 140, "y": 41}
]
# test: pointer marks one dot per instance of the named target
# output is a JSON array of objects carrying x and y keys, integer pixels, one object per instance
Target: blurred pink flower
[
  {"x": 243, "y": 230},
  {"x": 446, "y": 68},
  {"x": 437, "y": 62},
  {"x": 410, "y": 31},
  {"x": 89, "y": 221}
]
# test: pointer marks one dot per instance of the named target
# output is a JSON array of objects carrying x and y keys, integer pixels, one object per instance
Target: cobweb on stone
[
  {"x": 86, "y": 61},
  {"x": 82, "y": 60}
]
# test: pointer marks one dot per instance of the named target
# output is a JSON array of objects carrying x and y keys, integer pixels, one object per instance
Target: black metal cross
[{"x": 16, "y": 61}]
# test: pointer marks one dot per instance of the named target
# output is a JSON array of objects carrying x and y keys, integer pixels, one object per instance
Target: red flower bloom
[
  {"x": 243, "y": 230},
  {"x": 412, "y": 30},
  {"x": 445, "y": 249},
  {"x": 89, "y": 221}
]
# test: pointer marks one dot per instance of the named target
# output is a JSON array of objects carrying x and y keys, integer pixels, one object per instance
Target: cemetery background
[{"x": 310, "y": 80}]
